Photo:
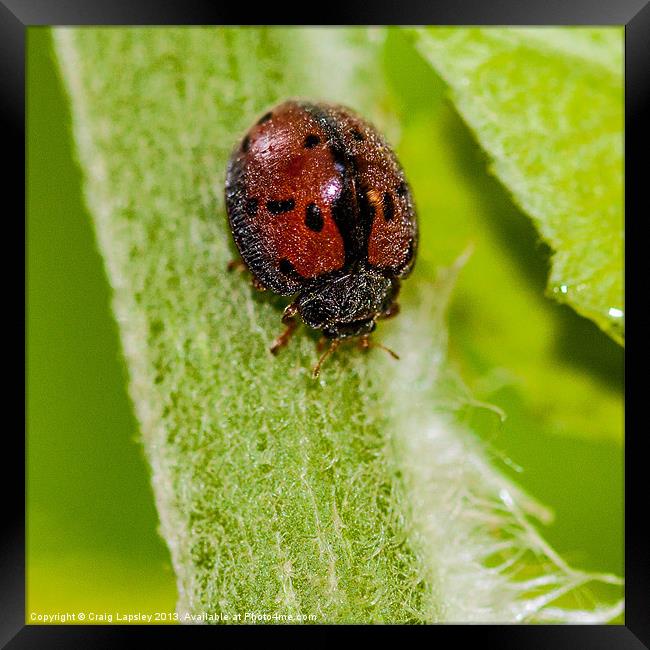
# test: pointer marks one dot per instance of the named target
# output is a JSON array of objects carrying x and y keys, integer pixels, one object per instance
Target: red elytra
[{"x": 319, "y": 207}]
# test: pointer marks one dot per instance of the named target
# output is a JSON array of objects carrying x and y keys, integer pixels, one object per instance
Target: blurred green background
[{"x": 92, "y": 540}]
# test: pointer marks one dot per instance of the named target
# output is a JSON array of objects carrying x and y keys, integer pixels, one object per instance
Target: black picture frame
[{"x": 17, "y": 15}]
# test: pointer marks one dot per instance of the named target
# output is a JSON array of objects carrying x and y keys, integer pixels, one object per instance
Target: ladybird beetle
[{"x": 319, "y": 208}]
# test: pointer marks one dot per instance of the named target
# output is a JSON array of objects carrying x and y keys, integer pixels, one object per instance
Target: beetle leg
[
  {"x": 257, "y": 284},
  {"x": 322, "y": 342},
  {"x": 392, "y": 311},
  {"x": 239, "y": 266},
  {"x": 236, "y": 265},
  {"x": 289, "y": 319},
  {"x": 333, "y": 345}
]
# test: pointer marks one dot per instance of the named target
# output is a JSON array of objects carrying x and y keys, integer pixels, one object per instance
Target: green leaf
[
  {"x": 360, "y": 497},
  {"x": 506, "y": 335},
  {"x": 546, "y": 104},
  {"x": 556, "y": 375}
]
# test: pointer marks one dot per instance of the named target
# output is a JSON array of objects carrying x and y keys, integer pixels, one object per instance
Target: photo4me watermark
[{"x": 103, "y": 618}]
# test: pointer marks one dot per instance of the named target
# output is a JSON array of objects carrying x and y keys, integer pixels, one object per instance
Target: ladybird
[{"x": 319, "y": 209}]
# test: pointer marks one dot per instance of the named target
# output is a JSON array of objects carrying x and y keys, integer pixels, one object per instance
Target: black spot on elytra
[
  {"x": 286, "y": 266},
  {"x": 313, "y": 218},
  {"x": 357, "y": 135},
  {"x": 311, "y": 141},
  {"x": 265, "y": 118},
  {"x": 388, "y": 206},
  {"x": 251, "y": 207},
  {"x": 278, "y": 207},
  {"x": 245, "y": 144},
  {"x": 401, "y": 189}
]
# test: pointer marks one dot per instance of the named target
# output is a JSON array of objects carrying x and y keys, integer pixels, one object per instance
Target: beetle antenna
[
  {"x": 333, "y": 345},
  {"x": 383, "y": 347},
  {"x": 365, "y": 343}
]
